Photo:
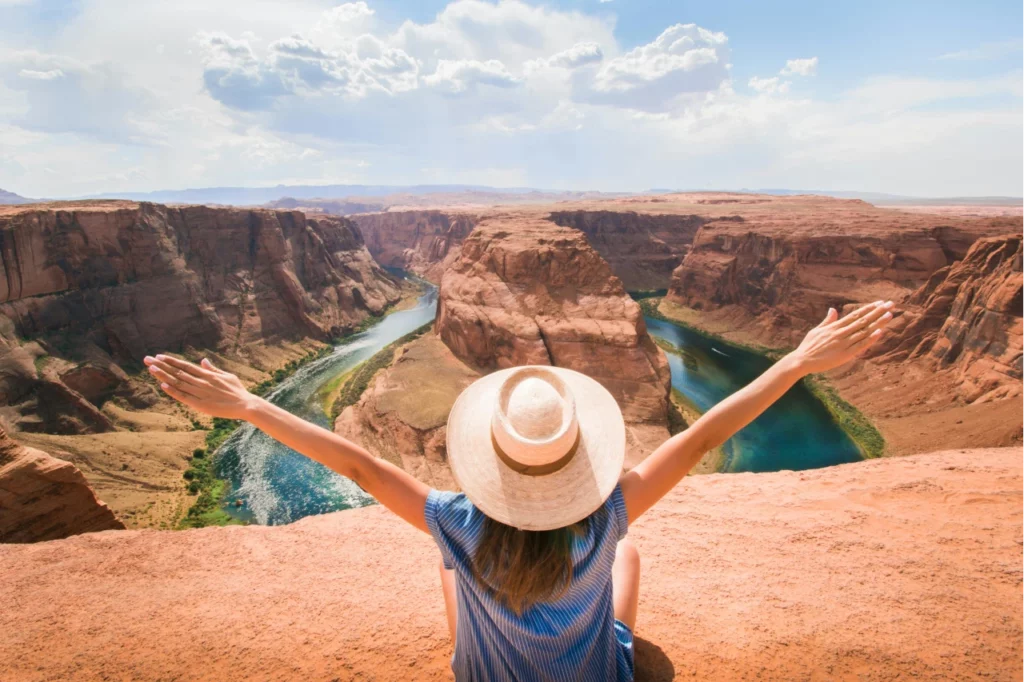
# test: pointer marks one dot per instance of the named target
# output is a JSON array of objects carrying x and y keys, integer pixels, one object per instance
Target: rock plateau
[{"x": 874, "y": 571}]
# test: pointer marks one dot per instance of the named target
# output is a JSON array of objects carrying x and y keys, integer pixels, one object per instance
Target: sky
[{"x": 913, "y": 98}]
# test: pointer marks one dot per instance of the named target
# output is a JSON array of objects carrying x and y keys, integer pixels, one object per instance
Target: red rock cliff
[
  {"x": 642, "y": 249},
  {"x": 967, "y": 316},
  {"x": 779, "y": 273},
  {"x": 528, "y": 292},
  {"x": 423, "y": 242},
  {"x": 100, "y": 284},
  {"x": 45, "y": 498}
]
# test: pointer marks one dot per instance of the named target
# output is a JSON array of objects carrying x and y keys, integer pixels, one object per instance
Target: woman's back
[{"x": 573, "y": 637}]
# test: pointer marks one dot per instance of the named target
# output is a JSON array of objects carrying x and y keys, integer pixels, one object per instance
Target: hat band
[{"x": 536, "y": 469}]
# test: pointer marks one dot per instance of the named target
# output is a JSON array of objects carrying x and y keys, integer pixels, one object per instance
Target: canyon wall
[
  {"x": 880, "y": 570},
  {"x": 780, "y": 277},
  {"x": 642, "y": 249},
  {"x": 423, "y": 242},
  {"x": 45, "y": 498},
  {"x": 967, "y": 317},
  {"x": 528, "y": 292},
  {"x": 87, "y": 290}
]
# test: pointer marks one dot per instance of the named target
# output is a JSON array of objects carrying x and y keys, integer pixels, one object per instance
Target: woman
[{"x": 538, "y": 579}]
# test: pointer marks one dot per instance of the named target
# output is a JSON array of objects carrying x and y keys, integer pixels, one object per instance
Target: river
[
  {"x": 277, "y": 485},
  {"x": 795, "y": 433}
]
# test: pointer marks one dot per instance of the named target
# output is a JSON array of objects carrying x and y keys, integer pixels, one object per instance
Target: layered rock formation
[
  {"x": 45, "y": 498},
  {"x": 403, "y": 413},
  {"x": 642, "y": 249},
  {"x": 423, "y": 242},
  {"x": 88, "y": 288},
  {"x": 967, "y": 316},
  {"x": 787, "y": 280},
  {"x": 880, "y": 570},
  {"x": 532, "y": 293}
]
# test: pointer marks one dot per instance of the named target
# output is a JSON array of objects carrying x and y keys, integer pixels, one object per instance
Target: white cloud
[
  {"x": 800, "y": 67},
  {"x": 460, "y": 75},
  {"x": 41, "y": 75},
  {"x": 768, "y": 85},
  {"x": 685, "y": 58},
  {"x": 348, "y": 12},
  {"x": 580, "y": 54}
]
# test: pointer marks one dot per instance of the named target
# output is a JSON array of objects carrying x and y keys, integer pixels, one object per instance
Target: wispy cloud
[{"x": 983, "y": 52}]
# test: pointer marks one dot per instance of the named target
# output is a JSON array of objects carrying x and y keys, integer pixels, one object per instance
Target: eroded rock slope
[{"x": 45, "y": 498}]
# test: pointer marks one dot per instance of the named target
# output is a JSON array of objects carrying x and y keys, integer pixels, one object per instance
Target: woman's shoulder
[{"x": 446, "y": 509}]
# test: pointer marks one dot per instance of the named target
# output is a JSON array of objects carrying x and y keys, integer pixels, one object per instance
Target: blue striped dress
[{"x": 576, "y": 637}]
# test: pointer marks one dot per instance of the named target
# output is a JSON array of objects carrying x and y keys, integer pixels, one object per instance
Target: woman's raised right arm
[
  {"x": 832, "y": 343},
  {"x": 221, "y": 394}
]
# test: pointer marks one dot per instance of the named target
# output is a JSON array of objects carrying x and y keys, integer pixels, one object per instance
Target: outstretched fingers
[
  {"x": 184, "y": 366},
  {"x": 875, "y": 312},
  {"x": 180, "y": 396},
  {"x": 206, "y": 364},
  {"x": 179, "y": 384}
]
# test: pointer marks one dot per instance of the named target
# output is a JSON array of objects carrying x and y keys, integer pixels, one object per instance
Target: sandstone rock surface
[
  {"x": 967, "y": 316},
  {"x": 533, "y": 293},
  {"x": 403, "y": 413},
  {"x": 95, "y": 286},
  {"x": 874, "y": 571},
  {"x": 780, "y": 262},
  {"x": 642, "y": 249},
  {"x": 423, "y": 242},
  {"x": 45, "y": 498}
]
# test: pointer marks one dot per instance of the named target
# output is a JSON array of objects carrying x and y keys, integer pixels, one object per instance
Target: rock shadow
[{"x": 652, "y": 665}]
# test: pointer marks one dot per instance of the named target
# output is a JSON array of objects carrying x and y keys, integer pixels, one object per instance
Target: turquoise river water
[{"x": 277, "y": 485}]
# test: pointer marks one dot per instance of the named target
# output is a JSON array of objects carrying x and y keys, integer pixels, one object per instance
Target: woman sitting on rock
[{"x": 539, "y": 579}]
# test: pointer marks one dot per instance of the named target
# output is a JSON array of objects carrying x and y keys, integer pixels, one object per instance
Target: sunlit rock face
[
  {"x": 968, "y": 317},
  {"x": 45, "y": 498},
  {"x": 88, "y": 289},
  {"x": 528, "y": 292}
]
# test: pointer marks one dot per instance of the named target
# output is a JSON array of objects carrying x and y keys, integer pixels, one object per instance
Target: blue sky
[{"x": 902, "y": 97}]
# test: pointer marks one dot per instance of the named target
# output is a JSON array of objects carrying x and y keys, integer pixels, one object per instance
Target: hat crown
[
  {"x": 534, "y": 421},
  {"x": 535, "y": 409}
]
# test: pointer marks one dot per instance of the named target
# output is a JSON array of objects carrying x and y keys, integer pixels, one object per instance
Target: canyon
[
  {"x": 898, "y": 567},
  {"x": 517, "y": 293},
  {"x": 760, "y": 270},
  {"x": 87, "y": 289},
  {"x": 918, "y": 554}
]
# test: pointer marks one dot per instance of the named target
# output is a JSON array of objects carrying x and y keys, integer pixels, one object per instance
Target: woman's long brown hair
[{"x": 522, "y": 567}]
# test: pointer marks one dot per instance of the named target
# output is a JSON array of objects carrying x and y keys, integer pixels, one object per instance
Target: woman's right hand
[
  {"x": 204, "y": 388},
  {"x": 836, "y": 341}
]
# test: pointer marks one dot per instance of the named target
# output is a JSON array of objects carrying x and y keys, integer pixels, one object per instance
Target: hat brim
[{"x": 537, "y": 502}]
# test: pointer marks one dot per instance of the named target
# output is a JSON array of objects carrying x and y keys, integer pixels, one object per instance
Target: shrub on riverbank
[{"x": 851, "y": 420}]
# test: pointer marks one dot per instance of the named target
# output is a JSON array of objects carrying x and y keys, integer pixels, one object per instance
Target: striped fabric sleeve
[
  {"x": 617, "y": 507},
  {"x": 433, "y": 511}
]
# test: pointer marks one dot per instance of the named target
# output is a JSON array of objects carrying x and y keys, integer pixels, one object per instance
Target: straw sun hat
[{"x": 536, "y": 447}]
